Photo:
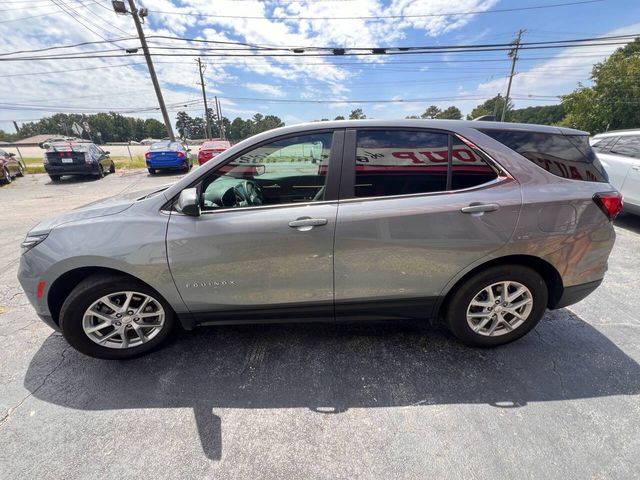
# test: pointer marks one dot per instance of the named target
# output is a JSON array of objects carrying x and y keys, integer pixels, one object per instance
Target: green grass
[{"x": 34, "y": 165}]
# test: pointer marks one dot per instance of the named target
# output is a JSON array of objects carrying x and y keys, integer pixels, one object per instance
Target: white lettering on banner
[{"x": 418, "y": 156}]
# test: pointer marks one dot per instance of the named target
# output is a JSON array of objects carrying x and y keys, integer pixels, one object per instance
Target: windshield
[
  {"x": 69, "y": 147},
  {"x": 165, "y": 146}
]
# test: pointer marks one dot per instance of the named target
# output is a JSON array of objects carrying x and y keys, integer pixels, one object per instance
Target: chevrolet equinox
[{"x": 480, "y": 225}]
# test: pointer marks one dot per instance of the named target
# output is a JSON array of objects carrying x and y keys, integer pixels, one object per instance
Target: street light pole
[{"x": 152, "y": 71}]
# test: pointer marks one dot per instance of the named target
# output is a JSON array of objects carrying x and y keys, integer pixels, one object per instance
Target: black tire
[
  {"x": 456, "y": 308},
  {"x": 90, "y": 290},
  {"x": 100, "y": 172},
  {"x": 7, "y": 176},
  {"x": 20, "y": 171},
  {"x": 112, "y": 168},
  {"x": 152, "y": 171},
  {"x": 55, "y": 178}
]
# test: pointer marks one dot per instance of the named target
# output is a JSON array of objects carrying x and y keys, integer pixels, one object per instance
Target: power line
[{"x": 385, "y": 17}]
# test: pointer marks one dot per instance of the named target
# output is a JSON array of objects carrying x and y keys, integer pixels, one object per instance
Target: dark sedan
[
  {"x": 76, "y": 158},
  {"x": 10, "y": 167}
]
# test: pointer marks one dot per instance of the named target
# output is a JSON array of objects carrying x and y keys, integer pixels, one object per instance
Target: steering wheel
[{"x": 247, "y": 193}]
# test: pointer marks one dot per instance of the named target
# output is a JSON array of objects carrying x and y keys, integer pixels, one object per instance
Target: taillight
[
  {"x": 180, "y": 154},
  {"x": 147, "y": 155},
  {"x": 88, "y": 158},
  {"x": 45, "y": 160},
  {"x": 610, "y": 203}
]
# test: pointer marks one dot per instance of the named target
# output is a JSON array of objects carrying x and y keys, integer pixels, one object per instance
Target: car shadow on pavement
[
  {"x": 629, "y": 221},
  {"x": 331, "y": 369}
]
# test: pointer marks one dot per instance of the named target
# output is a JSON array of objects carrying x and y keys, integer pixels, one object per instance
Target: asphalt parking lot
[{"x": 323, "y": 401}]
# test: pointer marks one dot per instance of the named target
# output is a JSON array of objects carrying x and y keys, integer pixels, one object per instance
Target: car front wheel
[
  {"x": 497, "y": 306},
  {"x": 7, "y": 176},
  {"x": 114, "y": 317}
]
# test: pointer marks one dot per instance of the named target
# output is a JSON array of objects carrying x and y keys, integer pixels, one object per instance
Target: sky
[{"x": 297, "y": 88}]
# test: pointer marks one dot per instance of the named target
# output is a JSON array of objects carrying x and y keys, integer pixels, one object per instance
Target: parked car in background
[
  {"x": 10, "y": 167},
  {"x": 619, "y": 152},
  {"x": 212, "y": 149},
  {"x": 481, "y": 225},
  {"x": 168, "y": 155},
  {"x": 77, "y": 158}
]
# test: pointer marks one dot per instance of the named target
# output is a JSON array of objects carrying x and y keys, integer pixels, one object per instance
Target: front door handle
[
  {"x": 477, "y": 207},
  {"x": 636, "y": 167},
  {"x": 305, "y": 224}
]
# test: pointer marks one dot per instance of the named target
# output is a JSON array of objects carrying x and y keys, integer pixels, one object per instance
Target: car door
[
  {"x": 413, "y": 217},
  {"x": 628, "y": 147},
  {"x": 244, "y": 258},
  {"x": 617, "y": 166}
]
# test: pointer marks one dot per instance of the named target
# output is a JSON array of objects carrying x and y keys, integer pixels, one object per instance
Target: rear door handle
[
  {"x": 636, "y": 167},
  {"x": 305, "y": 224},
  {"x": 480, "y": 207}
]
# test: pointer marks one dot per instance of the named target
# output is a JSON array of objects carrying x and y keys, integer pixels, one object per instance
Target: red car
[{"x": 211, "y": 149}]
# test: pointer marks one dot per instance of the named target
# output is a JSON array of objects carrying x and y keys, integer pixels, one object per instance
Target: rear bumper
[
  {"x": 73, "y": 169},
  {"x": 574, "y": 294},
  {"x": 167, "y": 165}
]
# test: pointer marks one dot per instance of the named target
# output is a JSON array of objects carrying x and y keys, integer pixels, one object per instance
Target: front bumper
[
  {"x": 29, "y": 276},
  {"x": 73, "y": 169}
]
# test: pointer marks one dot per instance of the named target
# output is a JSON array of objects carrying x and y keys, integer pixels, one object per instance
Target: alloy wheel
[
  {"x": 499, "y": 308},
  {"x": 123, "y": 320}
]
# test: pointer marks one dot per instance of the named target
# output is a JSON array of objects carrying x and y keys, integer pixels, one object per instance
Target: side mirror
[
  {"x": 188, "y": 202},
  {"x": 107, "y": 152},
  {"x": 12, "y": 154}
]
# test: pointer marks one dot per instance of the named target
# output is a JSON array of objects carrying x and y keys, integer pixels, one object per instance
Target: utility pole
[
  {"x": 220, "y": 124},
  {"x": 152, "y": 72},
  {"x": 204, "y": 97},
  {"x": 513, "y": 53}
]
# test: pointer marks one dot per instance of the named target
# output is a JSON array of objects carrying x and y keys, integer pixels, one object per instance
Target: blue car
[{"x": 167, "y": 155}]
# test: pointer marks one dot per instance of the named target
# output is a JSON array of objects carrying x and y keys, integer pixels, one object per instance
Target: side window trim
[{"x": 348, "y": 180}]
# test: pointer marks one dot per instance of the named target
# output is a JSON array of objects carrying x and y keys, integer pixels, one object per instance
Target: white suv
[{"x": 619, "y": 153}]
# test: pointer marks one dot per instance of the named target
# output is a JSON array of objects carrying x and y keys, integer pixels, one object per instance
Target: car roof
[
  {"x": 618, "y": 133},
  {"x": 452, "y": 125}
]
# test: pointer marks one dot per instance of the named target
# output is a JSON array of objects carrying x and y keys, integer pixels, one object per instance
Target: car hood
[{"x": 108, "y": 206}]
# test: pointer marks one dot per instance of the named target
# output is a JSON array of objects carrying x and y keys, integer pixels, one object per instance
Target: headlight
[{"x": 31, "y": 241}]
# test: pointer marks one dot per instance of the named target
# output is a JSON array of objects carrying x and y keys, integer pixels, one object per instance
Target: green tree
[
  {"x": 357, "y": 114},
  {"x": 450, "y": 113},
  {"x": 612, "y": 101},
  {"x": 412, "y": 117},
  {"x": 339, "y": 117},
  {"x": 542, "y": 115},
  {"x": 431, "y": 112},
  {"x": 154, "y": 128},
  {"x": 493, "y": 106}
]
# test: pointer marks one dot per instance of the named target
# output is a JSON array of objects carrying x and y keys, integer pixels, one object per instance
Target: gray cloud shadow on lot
[{"x": 330, "y": 369}]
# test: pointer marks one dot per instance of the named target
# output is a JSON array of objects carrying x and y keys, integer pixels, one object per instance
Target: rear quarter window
[{"x": 566, "y": 156}]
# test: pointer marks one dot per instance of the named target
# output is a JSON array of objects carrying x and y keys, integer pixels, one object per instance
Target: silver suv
[{"x": 481, "y": 225}]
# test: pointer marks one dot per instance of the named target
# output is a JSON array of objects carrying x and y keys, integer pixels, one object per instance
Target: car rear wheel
[
  {"x": 55, "y": 178},
  {"x": 20, "y": 171},
  {"x": 100, "y": 171},
  {"x": 112, "y": 168},
  {"x": 114, "y": 317},
  {"x": 497, "y": 306},
  {"x": 152, "y": 171}
]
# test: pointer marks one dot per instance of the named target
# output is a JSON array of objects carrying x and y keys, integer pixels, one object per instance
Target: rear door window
[
  {"x": 404, "y": 162},
  {"x": 628, "y": 146},
  {"x": 567, "y": 156}
]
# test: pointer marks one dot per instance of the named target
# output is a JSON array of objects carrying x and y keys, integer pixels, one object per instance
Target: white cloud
[{"x": 266, "y": 88}]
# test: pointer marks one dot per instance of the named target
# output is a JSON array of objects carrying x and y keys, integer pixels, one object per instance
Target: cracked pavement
[{"x": 319, "y": 401}]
